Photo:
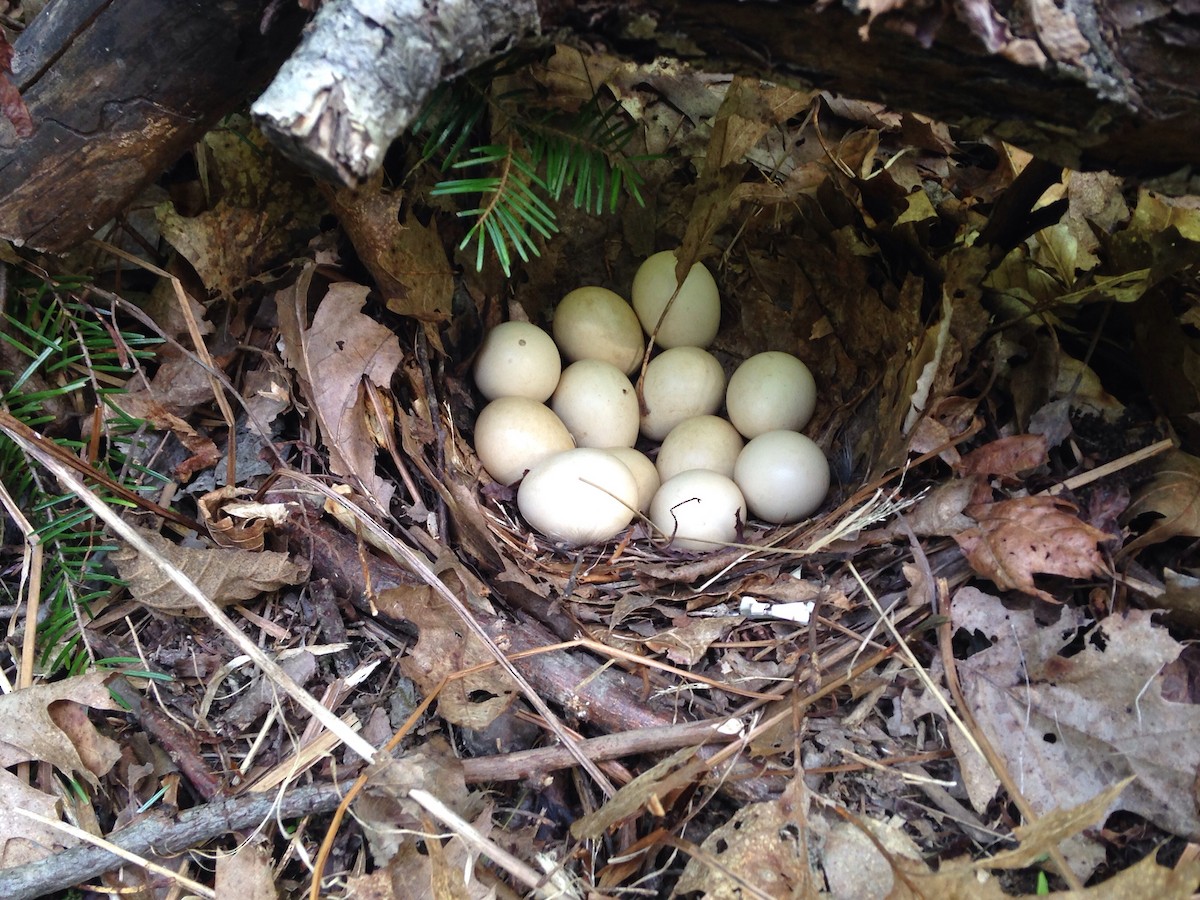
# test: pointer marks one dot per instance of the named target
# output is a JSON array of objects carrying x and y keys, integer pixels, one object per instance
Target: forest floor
[{"x": 971, "y": 673}]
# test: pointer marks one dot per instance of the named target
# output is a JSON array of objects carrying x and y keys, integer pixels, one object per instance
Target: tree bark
[
  {"x": 1086, "y": 84},
  {"x": 117, "y": 90}
]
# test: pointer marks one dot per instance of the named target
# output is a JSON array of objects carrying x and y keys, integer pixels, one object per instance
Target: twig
[
  {"x": 157, "y": 836},
  {"x": 1109, "y": 468},
  {"x": 530, "y": 763}
]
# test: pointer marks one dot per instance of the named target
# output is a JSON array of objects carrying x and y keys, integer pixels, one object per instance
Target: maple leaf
[
  {"x": 1173, "y": 494},
  {"x": 1017, "y": 539}
]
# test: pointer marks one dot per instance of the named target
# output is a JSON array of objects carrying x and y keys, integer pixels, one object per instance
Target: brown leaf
[
  {"x": 1006, "y": 456},
  {"x": 445, "y": 646},
  {"x": 407, "y": 259},
  {"x": 1075, "y": 723},
  {"x": 1174, "y": 495},
  {"x": 264, "y": 212},
  {"x": 23, "y": 840},
  {"x": 246, "y": 873},
  {"x": 39, "y": 724},
  {"x": 1017, "y": 539},
  {"x": 331, "y": 358},
  {"x": 687, "y": 642},
  {"x": 226, "y": 576}
]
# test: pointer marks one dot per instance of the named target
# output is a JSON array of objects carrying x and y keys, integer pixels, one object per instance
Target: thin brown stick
[
  {"x": 160, "y": 836},
  {"x": 531, "y": 763}
]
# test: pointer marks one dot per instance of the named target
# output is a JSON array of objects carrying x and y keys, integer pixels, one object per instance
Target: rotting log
[
  {"x": 116, "y": 92},
  {"x": 1111, "y": 84}
]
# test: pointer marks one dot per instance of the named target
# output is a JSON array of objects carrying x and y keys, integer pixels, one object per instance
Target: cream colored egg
[
  {"x": 695, "y": 314},
  {"x": 701, "y": 442},
  {"x": 517, "y": 359},
  {"x": 770, "y": 391},
  {"x": 783, "y": 475},
  {"x": 680, "y": 383},
  {"x": 698, "y": 510},
  {"x": 513, "y": 434},
  {"x": 597, "y": 403},
  {"x": 644, "y": 473},
  {"x": 595, "y": 323},
  {"x": 579, "y": 497}
]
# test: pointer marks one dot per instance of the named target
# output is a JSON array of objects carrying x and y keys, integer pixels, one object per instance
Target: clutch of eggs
[{"x": 568, "y": 434}]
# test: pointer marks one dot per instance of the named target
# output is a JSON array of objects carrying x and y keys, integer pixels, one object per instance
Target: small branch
[{"x": 158, "y": 836}]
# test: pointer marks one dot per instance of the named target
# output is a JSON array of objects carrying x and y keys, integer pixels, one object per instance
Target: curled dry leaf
[
  {"x": 225, "y": 575},
  {"x": 1174, "y": 495},
  {"x": 48, "y": 723},
  {"x": 1015, "y": 540},
  {"x": 331, "y": 359}
]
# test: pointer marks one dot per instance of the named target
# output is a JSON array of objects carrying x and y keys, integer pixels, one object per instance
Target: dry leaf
[
  {"x": 445, "y": 646},
  {"x": 224, "y": 575},
  {"x": 331, "y": 358},
  {"x": 1018, "y": 539},
  {"x": 1174, "y": 495},
  {"x": 48, "y": 723},
  {"x": 407, "y": 259},
  {"x": 384, "y": 810},
  {"x": 265, "y": 211},
  {"x": 1075, "y": 723},
  {"x": 764, "y": 845},
  {"x": 39, "y": 725},
  {"x": 1006, "y": 456},
  {"x": 24, "y": 840},
  {"x": 247, "y": 873},
  {"x": 687, "y": 642}
]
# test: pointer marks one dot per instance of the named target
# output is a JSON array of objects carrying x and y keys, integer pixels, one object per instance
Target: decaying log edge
[
  {"x": 1081, "y": 83},
  {"x": 366, "y": 67}
]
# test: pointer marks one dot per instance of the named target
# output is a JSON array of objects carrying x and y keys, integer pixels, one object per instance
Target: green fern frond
[
  {"x": 510, "y": 208},
  {"x": 547, "y": 156}
]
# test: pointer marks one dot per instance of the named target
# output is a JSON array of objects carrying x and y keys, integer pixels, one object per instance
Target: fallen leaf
[
  {"x": 1072, "y": 724},
  {"x": 38, "y": 725},
  {"x": 686, "y": 643},
  {"x": 445, "y": 646},
  {"x": 224, "y": 575},
  {"x": 48, "y": 723},
  {"x": 1006, "y": 456},
  {"x": 246, "y": 873},
  {"x": 1173, "y": 495},
  {"x": 1015, "y": 540},
  {"x": 763, "y": 844},
  {"x": 331, "y": 359},
  {"x": 406, "y": 258}
]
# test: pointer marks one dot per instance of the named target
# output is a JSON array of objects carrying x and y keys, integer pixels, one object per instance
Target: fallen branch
[{"x": 160, "y": 836}]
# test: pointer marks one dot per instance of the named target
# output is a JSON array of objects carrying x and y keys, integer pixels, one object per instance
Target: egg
[
  {"x": 595, "y": 323},
  {"x": 770, "y": 391},
  {"x": 579, "y": 497},
  {"x": 783, "y": 475},
  {"x": 701, "y": 442},
  {"x": 695, "y": 314},
  {"x": 680, "y": 383},
  {"x": 644, "y": 473},
  {"x": 698, "y": 510},
  {"x": 598, "y": 404},
  {"x": 517, "y": 359},
  {"x": 513, "y": 434}
]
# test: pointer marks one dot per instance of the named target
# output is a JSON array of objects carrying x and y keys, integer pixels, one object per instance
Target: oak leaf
[{"x": 1015, "y": 540}]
